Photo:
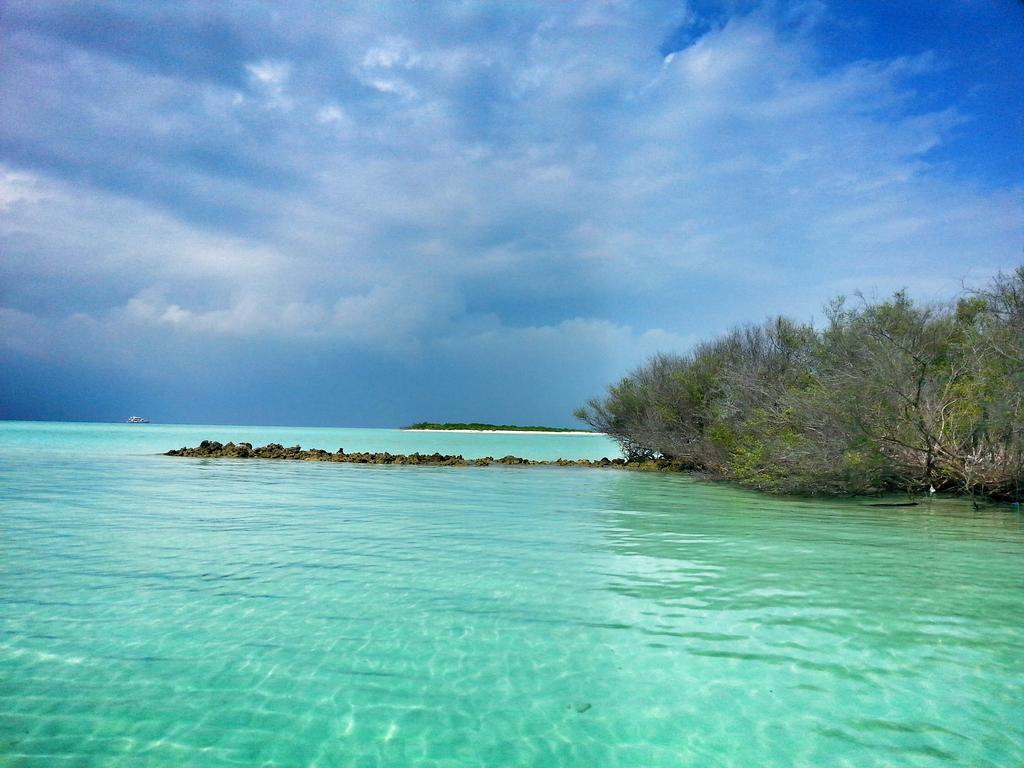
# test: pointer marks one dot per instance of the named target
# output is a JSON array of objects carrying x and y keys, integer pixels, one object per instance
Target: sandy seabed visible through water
[{"x": 161, "y": 612}]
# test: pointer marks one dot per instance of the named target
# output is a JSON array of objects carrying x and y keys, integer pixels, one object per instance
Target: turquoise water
[
  {"x": 125, "y": 439},
  {"x": 159, "y": 611}
]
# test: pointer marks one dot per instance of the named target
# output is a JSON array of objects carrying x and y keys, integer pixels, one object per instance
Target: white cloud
[
  {"x": 393, "y": 86},
  {"x": 392, "y": 52},
  {"x": 562, "y": 164},
  {"x": 331, "y": 113},
  {"x": 272, "y": 74},
  {"x": 113, "y": 238},
  {"x": 19, "y": 187},
  {"x": 271, "y": 78}
]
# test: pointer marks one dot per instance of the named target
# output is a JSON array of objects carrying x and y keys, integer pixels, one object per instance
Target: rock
[
  {"x": 512, "y": 460},
  {"x": 214, "y": 449}
]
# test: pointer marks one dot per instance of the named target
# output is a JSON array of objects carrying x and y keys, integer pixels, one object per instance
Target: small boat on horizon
[{"x": 137, "y": 420}]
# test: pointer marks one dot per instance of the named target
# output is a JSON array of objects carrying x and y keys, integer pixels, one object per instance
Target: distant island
[{"x": 450, "y": 426}]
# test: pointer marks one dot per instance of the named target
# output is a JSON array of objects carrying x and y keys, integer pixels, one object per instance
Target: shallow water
[
  {"x": 126, "y": 439},
  {"x": 160, "y": 611}
]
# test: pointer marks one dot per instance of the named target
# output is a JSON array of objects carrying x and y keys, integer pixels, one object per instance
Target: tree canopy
[{"x": 886, "y": 395}]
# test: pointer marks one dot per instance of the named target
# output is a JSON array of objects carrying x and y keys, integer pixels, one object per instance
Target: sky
[{"x": 369, "y": 214}]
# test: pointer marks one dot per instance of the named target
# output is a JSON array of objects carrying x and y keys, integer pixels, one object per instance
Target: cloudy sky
[{"x": 368, "y": 214}]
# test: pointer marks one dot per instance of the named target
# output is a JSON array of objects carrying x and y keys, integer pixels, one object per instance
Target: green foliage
[
  {"x": 488, "y": 427},
  {"x": 888, "y": 395}
]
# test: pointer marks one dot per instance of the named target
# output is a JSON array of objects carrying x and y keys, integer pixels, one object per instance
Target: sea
[{"x": 165, "y": 611}]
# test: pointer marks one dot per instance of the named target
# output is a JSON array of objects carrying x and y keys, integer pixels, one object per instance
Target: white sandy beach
[{"x": 505, "y": 432}]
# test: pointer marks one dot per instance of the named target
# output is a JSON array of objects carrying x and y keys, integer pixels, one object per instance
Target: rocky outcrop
[{"x": 214, "y": 450}]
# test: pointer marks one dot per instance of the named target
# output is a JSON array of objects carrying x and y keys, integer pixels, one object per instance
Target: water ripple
[{"x": 158, "y": 613}]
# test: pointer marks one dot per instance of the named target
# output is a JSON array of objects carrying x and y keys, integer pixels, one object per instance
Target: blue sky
[{"x": 371, "y": 214}]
